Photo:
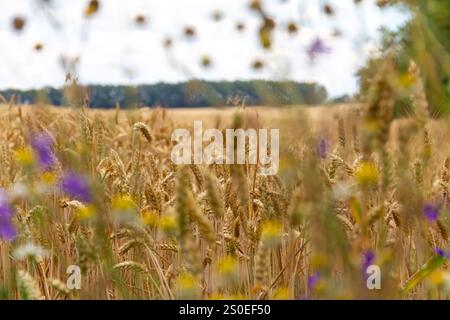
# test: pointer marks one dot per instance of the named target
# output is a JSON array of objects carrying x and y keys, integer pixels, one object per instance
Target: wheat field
[{"x": 97, "y": 189}]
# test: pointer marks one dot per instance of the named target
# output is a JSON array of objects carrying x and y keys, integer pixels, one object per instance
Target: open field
[
  {"x": 98, "y": 190},
  {"x": 207, "y": 114}
]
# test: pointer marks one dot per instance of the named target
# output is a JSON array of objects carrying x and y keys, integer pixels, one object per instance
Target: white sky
[{"x": 113, "y": 50}]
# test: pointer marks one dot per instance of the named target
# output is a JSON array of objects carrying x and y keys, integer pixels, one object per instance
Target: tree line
[{"x": 194, "y": 93}]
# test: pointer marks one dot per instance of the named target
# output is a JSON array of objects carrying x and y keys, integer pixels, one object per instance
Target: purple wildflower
[
  {"x": 441, "y": 252},
  {"x": 7, "y": 229},
  {"x": 76, "y": 186},
  {"x": 313, "y": 280},
  {"x": 316, "y": 47},
  {"x": 322, "y": 148},
  {"x": 368, "y": 259},
  {"x": 430, "y": 212},
  {"x": 43, "y": 146}
]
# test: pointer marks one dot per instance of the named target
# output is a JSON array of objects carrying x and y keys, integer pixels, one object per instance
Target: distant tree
[{"x": 425, "y": 39}]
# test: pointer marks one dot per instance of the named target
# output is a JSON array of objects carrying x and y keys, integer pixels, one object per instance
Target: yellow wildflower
[
  {"x": 271, "y": 232},
  {"x": 282, "y": 293},
  {"x": 25, "y": 157},
  {"x": 228, "y": 271},
  {"x": 49, "y": 177},
  {"x": 188, "y": 286},
  {"x": 149, "y": 218},
  {"x": 85, "y": 212},
  {"x": 366, "y": 173},
  {"x": 168, "y": 223},
  {"x": 123, "y": 204}
]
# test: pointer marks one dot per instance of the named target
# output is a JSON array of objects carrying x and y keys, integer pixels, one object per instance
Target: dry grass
[{"x": 154, "y": 230}]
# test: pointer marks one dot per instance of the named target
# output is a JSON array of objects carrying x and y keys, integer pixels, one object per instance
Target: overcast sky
[{"x": 112, "y": 49}]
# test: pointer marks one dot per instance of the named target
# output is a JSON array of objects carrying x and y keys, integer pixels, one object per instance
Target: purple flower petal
[
  {"x": 313, "y": 280},
  {"x": 43, "y": 146},
  {"x": 368, "y": 259},
  {"x": 322, "y": 148},
  {"x": 430, "y": 212},
  {"x": 7, "y": 229},
  {"x": 5, "y": 209},
  {"x": 316, "y": 47},
  {"x": 76, "y": 186},
  {"x": 440, "y": 252}
]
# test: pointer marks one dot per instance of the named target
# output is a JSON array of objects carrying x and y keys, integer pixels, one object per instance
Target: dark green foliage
[
  {"x": 425, "y": 39},
  {"x": 194, "y": 93}
]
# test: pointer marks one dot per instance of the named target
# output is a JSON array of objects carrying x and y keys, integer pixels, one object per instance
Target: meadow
[{"x": 96, "y": 189}]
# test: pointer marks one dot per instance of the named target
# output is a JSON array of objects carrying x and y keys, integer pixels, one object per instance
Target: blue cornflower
[
  {"x": 430, "y": 212},
  {"x": 316, "y": 47},
  {"x": 313, "y": 280},
  {"x": 42, "y": 145},
  {"x": 322, "y": 148},
  {"x": 7, "y": 229},
  {"x": 76, "y": 186},
  {"x": 368, "y": 259},
  {"x": 441, "y": 252}
]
